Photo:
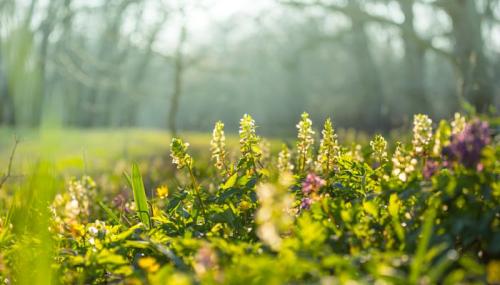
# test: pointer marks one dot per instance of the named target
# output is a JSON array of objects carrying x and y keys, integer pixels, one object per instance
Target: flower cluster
[
  {"x": 310, "y": 189},
  {"x": 249, "y": 141},
  {"x": 72, "y": 208},
  {"x": 305, "y": 141},
  {"x": 265, "y": 149},
  {"x": 441, "y": 138},
  {"x": 274, "y": 215},
  {"x": 205, "y": 260},
  {"x": 403, "y": 164},
  {"x": 458, "y": 124},
  {"x": 149, "y": 264},
  {"x": 312, "y": 184},
  {"x": 422, "y": 133},
  {"x": 96, "y": 232},
  {"x": 355, "y": 152},
  {"x": 431, "y": 166},
  {"x": 329, "y": 149},
  {"x": 162, "y": 192},
  {"x": 466, "y": 146},
  {"x": 284, "y": 157},
  {"x": 178, "y": 152},
  {"x": 218, "y": 146},
  {"x": 379, "y": 149}
]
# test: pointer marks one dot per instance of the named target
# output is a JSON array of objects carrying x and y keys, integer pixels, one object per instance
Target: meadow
[{"x": 421, "y": 206}]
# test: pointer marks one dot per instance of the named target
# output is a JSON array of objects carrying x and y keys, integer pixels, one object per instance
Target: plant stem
[{"x": 197, "y": 190}]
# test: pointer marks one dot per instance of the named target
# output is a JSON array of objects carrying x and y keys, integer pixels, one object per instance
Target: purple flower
[
  {"x": 119, "y": 200},
  {"x": 305, "y": 204},
  {"x": 466, "y": 146},
  {"x": 312, "y": 184},
  {"x": 430, "y": 167}
]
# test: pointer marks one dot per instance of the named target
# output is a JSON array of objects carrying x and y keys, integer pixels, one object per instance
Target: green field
[{"x": 140, "y": 207}]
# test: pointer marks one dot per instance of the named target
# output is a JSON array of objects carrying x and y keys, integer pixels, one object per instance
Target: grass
[{"x": 76, "y": 151}]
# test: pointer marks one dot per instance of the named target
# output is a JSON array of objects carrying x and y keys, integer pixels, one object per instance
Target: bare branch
[
  {"x": 365, "y": 16},
  {"x": 6, "y": 176}
]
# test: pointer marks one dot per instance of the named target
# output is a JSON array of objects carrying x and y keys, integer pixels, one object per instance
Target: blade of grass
[
  {"x": 423, "y": 244},
  {"x": 110, "y": 213},
  {"x": 141, "y": 201}
]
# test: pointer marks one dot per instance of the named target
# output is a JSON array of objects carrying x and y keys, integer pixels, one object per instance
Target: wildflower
[
  {"x": 265, "y": 147},
  {"x": 312, "y": 184},
  {"x": 244, "y": 205},
  {"x": 284, "y": 157},
  {"x": 162, "y": 192},
  {"x": 218, "y": 146},
  {"x": 93, "y": 231},
  {"x": 305, "y": 203},
  {"x": 430, "y": 167},
  {"x": 273, "y": 217},
  {"x": 305, "y": 141},
  {"x": 96, "y": 232},
  {"x": 493, "y": 272},
  {"x": 249, "y": 140},
  {"x": 329, "y": 148},
  {"x": 441, "y": 138},
  {"x": 119, "y": 201},
  {"x": 422, "y": 133},
  {"x": 458, "y": 124},
  {"x": 178, "y": 152},
  {"x": 355, "y": 152},
  {"x": 130, "y": 207},
  {"x": 205, "y": 260},
  {"x": 73, "y": 206},
  {"x": 149, "y": 264},
  {"x": 466, "y": 146},
  {"x": 402, "y": 163},
  {"x": 379, "y": 149}
]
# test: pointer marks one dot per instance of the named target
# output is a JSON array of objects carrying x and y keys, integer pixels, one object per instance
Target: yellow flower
[
  {"x": 244, "y": 205},
  {"x": 162, "y": 192},
  {"x": 149, "y": 264},
  {"x": 493, "y": 272}
]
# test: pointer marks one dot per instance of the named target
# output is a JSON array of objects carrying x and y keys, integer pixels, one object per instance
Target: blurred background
[{"x": 181, "y": 65}]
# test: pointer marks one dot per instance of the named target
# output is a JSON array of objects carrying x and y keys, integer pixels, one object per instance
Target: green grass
[{"x": 74, "y": 151}]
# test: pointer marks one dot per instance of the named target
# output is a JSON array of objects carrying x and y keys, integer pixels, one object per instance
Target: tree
[
  {"x": 476, "y": 82},
  {"x": 179, "y": 70}
]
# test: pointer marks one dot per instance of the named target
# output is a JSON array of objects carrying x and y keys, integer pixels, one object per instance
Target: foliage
[{"x": 428, "y": 214}]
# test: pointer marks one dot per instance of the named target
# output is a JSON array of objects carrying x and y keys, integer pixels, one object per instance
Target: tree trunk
[
  {"x": 7, "y": 110},
  {"x": 7, "y": 107},
  {"x": 46, "y": 29},
  {"x": 476, "y": 78},
  {"x": 414, "y": 62},
  {"x": 372, "y": 94},
  {"x": 178, "y": 78},
  {"x": 138, "y": 77},
  {"x": 297, "y": 102}
]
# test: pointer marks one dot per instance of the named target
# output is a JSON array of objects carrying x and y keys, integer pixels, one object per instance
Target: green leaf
[
  {"x": 230, "y": 182},
  {"x": 418, "y": 262},
  {"x": 124, "y": 235},
  {"x": 229, "y": 193},
  {"x": 370, "y": 208},
  {"x": 110, "y": 213},
  {"x": 109, "y": 257},
  {"x": 141, "y": 201},
  {"x": 394, "y": 205}
]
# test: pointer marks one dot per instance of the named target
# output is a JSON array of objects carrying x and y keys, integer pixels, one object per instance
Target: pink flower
[
  {"x": 305, "y": 204},
  {"x": 312, "y": 184},
  {"x": 430, "y": 168}
]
